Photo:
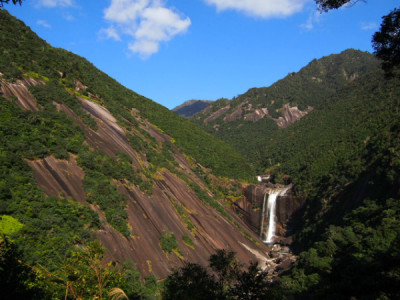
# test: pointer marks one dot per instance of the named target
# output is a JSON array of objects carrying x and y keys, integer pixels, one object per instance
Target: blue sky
[{"x": 176, "y": 50}]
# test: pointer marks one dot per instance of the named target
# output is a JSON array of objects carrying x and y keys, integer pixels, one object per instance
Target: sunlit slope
[
  {"x": 23, "y": 52},
  {"x": 248, "y": 121},
  {"x": 84, "y": 158}
]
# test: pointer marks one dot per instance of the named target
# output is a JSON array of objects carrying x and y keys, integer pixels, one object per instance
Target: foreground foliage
[
  {"x": 80, "y": 274},
  {"x": 228, "y": 280}
]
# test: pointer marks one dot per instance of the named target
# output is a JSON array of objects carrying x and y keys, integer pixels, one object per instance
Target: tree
[
  {"x": 386, "y": 42},
  {"x": 191, "y": 281},
  {"x": 225, "y": 264},
  {"x": 229, "y": 281},
  {"x": 83, "y": 275},
  {"x": 13, "y": 1},
  {"x": 17, "y": 280},
  {"x": 253, "y": 285},
  {"x": 325, "y": 5}
]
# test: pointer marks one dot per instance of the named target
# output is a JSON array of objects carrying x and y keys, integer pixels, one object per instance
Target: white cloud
[
  {"x": 148, "y": 22},
  {"x": 261, "y": 8},
  {"x": 43, "y": 23},
  {"x": 369, "y": 26},
  {"x": 54, "y": 3}
]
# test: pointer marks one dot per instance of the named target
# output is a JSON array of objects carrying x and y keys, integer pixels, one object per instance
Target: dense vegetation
[
  {"x": 351, "y": 233},
  {"x": 50, "y": 239},
  {"x": 23, "y": 53},
  {"x": 344, "y": 161},
  {"x": 343, "y": 158},
  {"x": 312, "y": 86},
  {"x": 80, "y": 274},
  {"x": 227, "y": 280}
]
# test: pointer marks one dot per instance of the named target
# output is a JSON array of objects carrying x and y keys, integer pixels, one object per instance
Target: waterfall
[{"x": 268, "y": 224}]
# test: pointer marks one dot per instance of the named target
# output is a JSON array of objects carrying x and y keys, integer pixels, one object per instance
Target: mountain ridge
[
  {"x": 261, "y": 111},
  {"x": 191, "y": 107}
]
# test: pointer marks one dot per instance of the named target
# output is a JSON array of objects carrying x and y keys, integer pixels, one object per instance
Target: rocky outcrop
[
  {"x": 172, "y": 206},
  {"x": 257, "y": 115},
  {"x": 18, "y": 92},
  {"x": 280, "y": 260},
  {"x": 249, "y": 113},
  {"x": 290, "y": 115},
  {"x": 236, "y": 115},
  {"x": 150, "y": 216},
  {"x": 217, "y": 114},
  {"x": 59, "y": 177}
]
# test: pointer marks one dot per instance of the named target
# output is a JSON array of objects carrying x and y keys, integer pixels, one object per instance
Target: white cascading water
[{"x": 267, "y": 230}]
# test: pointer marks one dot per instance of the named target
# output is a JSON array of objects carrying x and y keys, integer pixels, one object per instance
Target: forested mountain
[
  {"x": 83, "y": 158},
  {"x": 248, "y": 121},
  {"x": 344, "y": 161},
  {"x": 191, "y": 107}
]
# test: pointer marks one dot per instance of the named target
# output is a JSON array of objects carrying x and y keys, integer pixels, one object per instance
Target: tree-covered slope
[
  {"x": 344, "y": 161},
  {"x": 25, "y": 54},
  {"x": 83, "y": 158},
  {"x": 248, "y": 121}
]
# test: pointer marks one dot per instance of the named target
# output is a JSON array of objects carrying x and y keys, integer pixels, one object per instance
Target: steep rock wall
[
  {"x": 18, "y": 92},
  {"x": 250, "y": 208},
  {"x": 171, "y": 206}
]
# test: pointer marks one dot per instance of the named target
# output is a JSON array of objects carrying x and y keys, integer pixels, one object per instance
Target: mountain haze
[{"x": 191, "y": 107}]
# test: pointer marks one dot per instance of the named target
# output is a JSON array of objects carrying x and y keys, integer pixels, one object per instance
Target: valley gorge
[{"x": 290, "y": 191}]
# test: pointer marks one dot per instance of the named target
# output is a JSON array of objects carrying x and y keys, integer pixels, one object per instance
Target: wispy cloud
[
  {"x": 148, "y": 22},
  {"x": 311, "y": 21},
  {"x": 69, "y": 17},
  {"x": 43, "y": 23},
  {"x": 261, "y": 8},
  {"x": 369, "y": 26},
  {"x": 54, "y": 3},
  {"x": 110, "y": 33}
]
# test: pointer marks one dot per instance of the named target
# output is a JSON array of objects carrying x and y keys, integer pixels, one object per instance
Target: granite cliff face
[
  {"x": 247, "y": 112},
  {"x": 172, "y": 206}
]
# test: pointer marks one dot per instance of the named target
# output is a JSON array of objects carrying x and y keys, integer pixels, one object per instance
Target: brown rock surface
[
  {"x": 217, "y": 114},
  {"x": 59, "y": 176},
  {"x": 18, "y": 92},
  {"x": 290, "y": 115},
  {"x": 236, "y": 115},
  {"x": 149, "y": 215},
  {"x": 257, "y": 115}
]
